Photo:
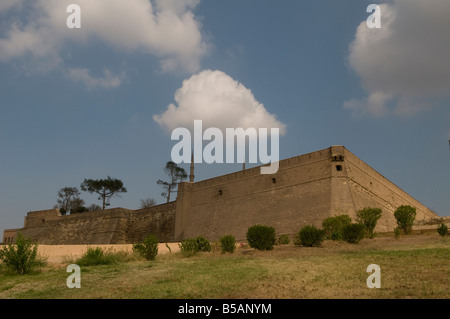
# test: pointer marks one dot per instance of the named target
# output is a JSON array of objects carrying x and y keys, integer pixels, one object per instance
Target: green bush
[
  {"x": 261, "y": 237},
  {"x": 189, "y": 246},
  {"x": 310, "y": 236},
  {"x": 333, "y": 226},
  {"x": 228, "y": 244},
  {"x": 96, "y": 256},
  {"x": 442, "y": 230},
  {"x": 397, "y": 232},
  {"x": 203, "y": 244},
  {"x": 405, "y": 216},
  {"x": 22, "y": 257},
  {"x": 353, "y": 233},
  {"x": 148, "y": 248},
  {"x": 283, "y": 239},
  {"x": 368, "y": 217}
]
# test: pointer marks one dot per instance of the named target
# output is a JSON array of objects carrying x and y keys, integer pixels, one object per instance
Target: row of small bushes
[
  {"x": 191, "y": 246},
  {"x": 367, "y": 218},
  {"x": 340, "y": 227},
  {"x": 263, "y": 237}
]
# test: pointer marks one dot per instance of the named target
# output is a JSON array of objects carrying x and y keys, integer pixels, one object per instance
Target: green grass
[{"x": 408, "y": 271}]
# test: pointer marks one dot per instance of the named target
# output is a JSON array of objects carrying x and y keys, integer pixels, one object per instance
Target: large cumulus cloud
[
  {"x": 219, "y": 101},
  {"x": 403, "y": 66}
]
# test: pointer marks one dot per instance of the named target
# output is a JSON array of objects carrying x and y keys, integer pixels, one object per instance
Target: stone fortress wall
[
  {"x": 111, "y": 226},
  {"x": 305, "y": 190}
]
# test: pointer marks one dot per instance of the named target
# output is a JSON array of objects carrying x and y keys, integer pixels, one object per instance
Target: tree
[
  {"x": 368, "y": 217},
  {"x": 77, "y": 206},
  {"x": 105, "y": 188},
  {"x": 148, "y": 202},
  {"x": 69, "y": 199},
  {"x": 176, "y": 175},
  {"x": 405, "y": 216}
]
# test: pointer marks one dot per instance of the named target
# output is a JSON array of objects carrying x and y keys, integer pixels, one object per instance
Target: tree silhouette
[
  {"x": 69, "y": 199},
  {"x": 105, "y": 188},
  {"x": 176, "y": 175}
]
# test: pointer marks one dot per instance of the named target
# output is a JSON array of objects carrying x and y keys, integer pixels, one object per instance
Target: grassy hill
[{"x": 415, "y": 266}]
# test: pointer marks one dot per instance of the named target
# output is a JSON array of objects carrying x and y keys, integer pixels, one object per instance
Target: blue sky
[{"x": 81, "y": 103}]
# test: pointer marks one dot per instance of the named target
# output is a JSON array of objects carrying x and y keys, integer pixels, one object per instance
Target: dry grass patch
[{"x": 413, "y": 267}]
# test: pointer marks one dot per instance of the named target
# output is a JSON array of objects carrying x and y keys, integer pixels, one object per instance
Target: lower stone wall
[
  {"x": 158, "y": 220},
  {"x": 115, "y": 226}
]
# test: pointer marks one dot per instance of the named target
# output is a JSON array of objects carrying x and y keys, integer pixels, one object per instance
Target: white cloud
[
  {"x": 165, "y": 29},
  {"x": 219, "y": 101},
  {"x": 403, "y": 65},
  {"x": 83, "y": 75}
]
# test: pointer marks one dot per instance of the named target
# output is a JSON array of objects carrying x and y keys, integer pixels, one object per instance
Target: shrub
[
  {"x": 228, "y": 244},
  {"x": 148, "y": 248},
  {"x": 96, "y": 256},
  {"x": 189, "y": 246},
  {"x": 203, "y": 244},
  {"x": 333, "y": 226},
  {"x": 284, "y": 239},
  {"x": 261, "y": 237},
  {"x": 353, "y": 233},
  {"x": 397, "y": 232},
  {"x": 310, "y": 236},
  {"x": 442, "y": 230},
  {"x": 368, "y": 217},
  {"x": 22, "y": 257},
  {"x": 405, "y": 216}
]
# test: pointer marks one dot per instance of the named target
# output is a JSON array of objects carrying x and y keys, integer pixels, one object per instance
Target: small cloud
[
  {"x": 107, "y": 81},
  {"x": 374, "y": 105},
  {"x": 219, "y": 101}
]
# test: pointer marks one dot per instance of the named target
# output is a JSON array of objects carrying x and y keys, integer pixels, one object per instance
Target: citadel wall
[
  {"x": 298, "y": 194},
  {"x": 370, "y": 188},
  {"x": 305, "y": 190},
  {"x": 112, "y": 226}
]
